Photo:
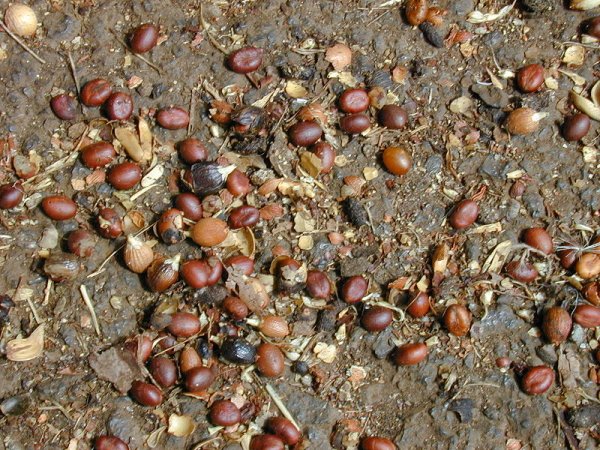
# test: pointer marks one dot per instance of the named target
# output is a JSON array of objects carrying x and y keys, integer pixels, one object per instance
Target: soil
[{"x": 458, "y": 397}]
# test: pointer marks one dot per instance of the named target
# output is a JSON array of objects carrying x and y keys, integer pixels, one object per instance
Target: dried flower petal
[{"x": 28, "y": 348}]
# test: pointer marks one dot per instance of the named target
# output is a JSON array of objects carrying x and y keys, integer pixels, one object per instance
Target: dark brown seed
[
  {"x": 110, "y": 225},
  {"x": 419, "y": 306},
  {"x": 587, "y": 316},
  {"x": 11, "y": 195},
  {"x": 568, "y": 258},
  {"x": 195, "y": 273},
  {"x": 354, "y": 101},
  {"x": 432, "y": 34},
  {"x": 270, "y": 361},
  {"x": 575, "y": 127},
  {"x": 240, "y": 263},
  {"x": 266, "y": 442},
  {"x": 170, "y": 226},
  {"x": 464, "y": 214},
  {"x": 64, "y": 106},
  {"x": 235, "y": 308},
  {"x": 356, "y": 212},
  {"x": 124, "y": 176},
  {"x": 524, "y": 271},
  {"x": 517, "y": 189},
  {"x": 192, "y": 150},
  {"x": 284, "y": 429},
  {"x": 592, "y": 27},
  {"x": 141, "y": 344},
  {"x": 318, "y": 284},
  {"x": 98, "y": 154},
  {"x": 377, "y": 318},
  {"x": 190, "y": 205},
  {"x": 539, "y": 238},
  {"x": 95, "y": 92},
  {"x": 397, "y": 160},
  {"x": 354, "y": 289},
  {"x": 199, "y": 379},
  {"x": 326, "y": 153},
  {"x": 410, "y": 354},
  {"x": 557, "y": 324},
  {"x": 392, "y": 116},
  {"x": 303, "y": 134},
  {"x": 216, "y": 269},
  {"x": 207, "y": 178},
  {"x": 245, "y": 60},
  {"x": 184, "y": 324},
  {"x": 62, "y": 267},
  {"x": 416, "y": 12},
  {"x": 537, "y": 380},
  {"x": 145, "y": 394},
  {"x": 457, "y": 320},
  {"x": 162, "y": 273},
  {"x": 238, "y": 183},
  {"x": 243, "y": 216},
  {"x": 355, "y": 123},
  {"x": 59, "y": 207},
  {"x": 81, "y": 243},
  {"x": 163, "y": 370},
  {"x": 144, "y": 38},
  {"x": 591, "y": 292},
  {"x": 530, "y": 78},
  {"x": 224, "y": 413},
  {"x": 119, "y": 106},
  {"x": 109, "y": 443},
  {"x": 173, "y": 118}
]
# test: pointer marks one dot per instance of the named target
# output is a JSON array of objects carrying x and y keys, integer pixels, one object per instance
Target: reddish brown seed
[
  {"x": 209, "y": 232},
  {"x": 410, "y": 354},
  {"x": 266, "y": 442},
  {"x": 163, "y": 370},
  {"x": 145, "y": 394},
  {"x": 11, "y": 195},
  {"x": 162, "y": 273},
  {"x": 587, "y": 316},
  {"x": 224, "y": 413},
  {"x": 110, "y": 225},
  {"x": 109, "y": 443},
  {"x": 354, "y": 101},
  {"x": 81, "y": 243},
  {"x": 238, "y": 183},
  {"x": 270, "y": 361},
  {"x": 591, "y": 27},
  {"x": 192, "y": 150},
  {"x": 397, "y": 160},
  {"x": 530, "y": 78},
  {"x": 517, "y": 189},
  {"x": 354, "y": 289},
  {"x": 242, "y": 264},
  {"x": 95, "y": 92},
  {"x": 524, "y": 271},
  {"x": 167, "y": 342},
  {"x": 539, "y": 238},
  {"x": 556, "y": 324},
  {"x": 575, "y": 127},
  {"x": 591, "y": 292},
  {"x": 235, "y": 308},
  {"x": 457, "y": 320},
  {"x": 318, "y": 284},
  {"x": 245, "y": 60},
  {"x": 243, "y": 216},
  {"x": 98, "y": 154},
  {"x": 537, "y": 380},
  {"x": 326, "y": 153},
  {"x": 303, "y": 134},
  {"x": 464, "y": 214},
  {"x": 284, "y": 429},
  {"x": 215, "y": 270},
  {"x": 144, "y": 38},
  {"x": 141, "y": 344},
  {"x": 184, "y": 324},
  {"x": 119, "y": 106},
  {"x": 503, "y": 362},
  {"x": 188, "y": 359},
  {"x": 355, "y": 123},
  {"x": 124, "y": 176},
  {"x": 416, "y": 11},
  {"x": 199, "y": 379},
  {"x": 170, "y": 226},
  {"x": 568, "y": 258},
  {"x": 392, "y": 116},
  {"x": 173, "y": 118},
  {"x": 59, "y": 207},
  {"x": 64, "y": 106},
  {"x": 419, "y": 306},
  {"x": 190, "y": 205},
  {"x": 377, "y": 318}
]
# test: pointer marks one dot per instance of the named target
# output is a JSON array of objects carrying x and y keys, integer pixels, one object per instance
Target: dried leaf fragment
[
  {"x": 295, "y": 89},
  {"x": 584, "y": 5},
  {"x": 325, "y": 352},
  {"x": 130, "y": 142},
  {"x": 461, "y": 105},
  {"x": 585, "y": 106},
  {"x": 339, "y": 55},
  {"x": 26, "y": 349},
  {"x": 311, "y": 163},
  {"x": 574, "y": 56},
  {"x": 479, "y": 17}
]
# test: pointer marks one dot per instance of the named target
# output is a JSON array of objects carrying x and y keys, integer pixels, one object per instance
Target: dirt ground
[{"x": 457, "y": 398}]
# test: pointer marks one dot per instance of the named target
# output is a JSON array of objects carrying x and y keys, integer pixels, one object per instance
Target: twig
[
  {"x": 206, "y": 441},
  {"x": 211, "y": 38},
  {"x": 277, "y": 400},
  {"x": 47, "y": 291},
  {"x": 74, "y": 72},
  {"x": 21, "y": 43},
  {"x": 192, "y": 109},
  {"x": 90, "y": 306},
  {"x": 147, "y": 61}
]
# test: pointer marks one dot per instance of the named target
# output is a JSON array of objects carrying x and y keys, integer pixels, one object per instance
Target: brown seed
[
  {"x": 503, "y": 362},
  {"x": 188, "y": 359},
  {"x": 587, "y": 316},
  {"x": 377, "y": 318},
  {"x": 64, "y": 106},
  {"x": 318, "y": 284},
  {"x": 198, "y": 379},
  {"x": 62, "y": 267},
  {"x": 326, "y": 153},
  {"x": 224, "y": 413},
  {"x": 575, "y": 127},
  {"x": 397, "y": 160},
  {"x": 238, "y": 183},
  {"x": 11, "y": 195},
  {"x": 419, "y": 306},
  {"x": 81, "y": 243},
  {"x": 243, "y": 216},
  {"x": 266, "y": 442},
  {"x": 523, "y": 121},
  {"x": 240, "y": 263},
  {"x": 270, "y": 361},
  {"x": 354, "y": 289},
  {"x": 119, "y": 106},
  {"x": 355, "y": 123},
  {"x": 110, "y": 225},
  {"x": 517, "y": 189},
  {"x": 25, "y": 167},
  {"x": 537, "y": 380},
  {"x": 163, "y": 273},
  {"x": 235, "y": 308},
  {"x": 354, "y": 101},
  {"x": 416, "y": 12},
  {"x": 539, "y": 238},
  {"x": 98, "y": 154},
  {"x": 144, "y": 38},
  {"x": 145, "y": 394},
  {"x": 245, "y": 60},
  {"x": 59, "y": 207},
  {"x": 195, "y": 273},
  {"x": 124, "y": 176},
  {"x": 392, "y": 116},
  {"x": 568, "y": 258},
  {"x": 190, "y": 205},
  {"x": 591, "y": 27},
  {"x": 464, "y": 214},
  {"x": 588, "y": 265},
  {"x": 170, "y": 226},
  {"x": 457, "y": 320},
  {"x": 557, "y": 324},
  {"x": 192, "y": 150},
  {"x": 274, "y": 327},
  {"x": 163, "y": 370},
  {"x": 524, "y": 271},
  {"x": 284, "y": 429},
  {"x": 95, "y": 92},
  {"x": 109, "y": 443},
  {"x": 303, "y": 134},
  {"x": 591, "y": 292},
  {"x": 173, "y": 118},
  {"x": 220, "y": 111},
  {"x": 530, "y": 78},
  {"x": 138, "y": 254},
  {"x": 184, "y": 324},
  {"x": 410, "y": 354},
  {"x": 209, "y": 232},
  {"x": 140, "y": 345}
]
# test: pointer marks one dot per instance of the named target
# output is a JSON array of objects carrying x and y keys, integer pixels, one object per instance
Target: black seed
[
  {"x": 251, "y": 118},
  {"x": 432, "y": 35},
  {"x": 207, "y": 178},
  {"x": 380, "y": 78},
  {"x": 355, "y": 212},
  {"x": 238, "y": 351},
  {"x": 300, "y": 367}
]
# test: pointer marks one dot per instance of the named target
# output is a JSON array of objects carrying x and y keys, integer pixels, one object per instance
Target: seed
[
  {"x": 173, "y": 118},
  {"x": 195, "y": 273},
  {"x": 138, "y": 255},
  {"x": 81, "y": 243},
  {"x": 270, "y": 361},
  {"x": 591, "y": 27},
  {"x": 326, "y": 153},
  {"x": 238, "y": 351},
  {"x": 410, "y": 354},
  {"x": 198, "y": 379},
  {"x": 522, "y": 271},
  {"x": 530, "y": 78},
  {"x": 164, "y": 371},
  {"x": 419, "y": 305},
  {"x": 503, "y": 362},
  {"x": 266, "y": 442},
  {"x": 59, "y": 207},
  {"x": 523, "y": 121},
  {"x": 224, "y": 413},
  {"x": 110, "y": 225},
  {"x": 303, "y": 134},
  {"x": 284, "y": 429},
  {"x": 245, "y": 60},
  {"x": 354, "y": 101},
  {"x": 11, "y": 195},
  {"x": 517, "y": 189},
  {"x": 163, "y": 273},
  {"x": 64, "y": 106},
  {"x": 62, "y": 267},
  {"x": 539, "y": 238},
  {"x": 189, "y": 359},
  {"x": 274, "y": 327},
  {"x": 235, "y": 308},
  {"x": 568, "y": 258},
  {"x": 557, "y": 324},
  {"x": 145, "y": 394},
  {"x": 318, "y": 284},
  {"x": 238, "y": 183},
  {"x": 392, "y": 116},
  {"x": 208, "y": 177},
  {"x": 24, "y": 167},
  {"x": 209, "y": 232},
  {"x": 109, "y": 443},
  {"x": 354, "y": 289},
  {"x": 141, "y": 345},
  {"x": 170, "y": 226},
  {"x": 537, "y": 380},
  {"x": 21, "y": 20},
  {"x": 355, "y": 123},
  {"x": 192, "y": 150},
  {"x": 119, "y": 106},
  {"x": 243, "y": 216},
  {"x": 95, "y": 92},
  {"x": 124, "y": 176},
  {"x": 184, "y": 324},
  {"x": 240, "y": 263},
  {"x": 588, "y": 265},
  {"x": 416, "y": 11},
  {"x": 377, "y": 318},
  {"x": 575, "y": 127},
  {"x": 98, "y": 154},
  {"x": 457, "y": 320},
  {"x": 144, "y": 38},
  {"x": 587, "y": 316},
  {"x": 464, "y": 214},
  {"x": 190, "y": 205},
  {"x": 591, "y": 292},
  {"x": 397, "y": 160}
]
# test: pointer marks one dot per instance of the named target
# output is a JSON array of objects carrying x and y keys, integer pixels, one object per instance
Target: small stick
[
  {"x": 90, "y": 306},
  {"x": 47, "y": 291},
  {"x": 211, "y": 38},
  {"x": 120, "y": 41},
  {"x": 192, "y": 108},
  {"x": 74, "y": 72},
  {"x": 20, "y": 42}
]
